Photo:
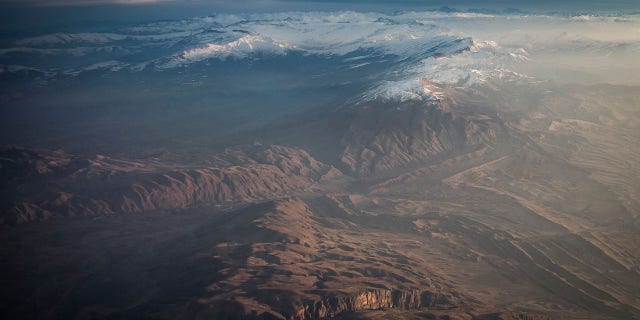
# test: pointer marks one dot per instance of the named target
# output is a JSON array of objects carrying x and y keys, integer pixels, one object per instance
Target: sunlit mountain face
[{"x": 320, "y": 160}]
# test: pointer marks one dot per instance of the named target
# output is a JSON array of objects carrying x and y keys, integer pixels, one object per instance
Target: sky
[
  {"x": 252, "y": 4},
  {"x": 22, "y": 15}
]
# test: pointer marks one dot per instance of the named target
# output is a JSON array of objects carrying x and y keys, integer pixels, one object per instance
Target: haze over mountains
[{"x": 444, "y": 164}]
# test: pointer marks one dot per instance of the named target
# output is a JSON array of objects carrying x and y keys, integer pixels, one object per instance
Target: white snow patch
[
  {"x": 239, "y": 48},
  {"x": 484, "y": 61}
]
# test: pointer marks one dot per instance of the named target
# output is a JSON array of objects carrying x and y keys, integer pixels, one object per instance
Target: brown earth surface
[{"x": 477, "y": 206}]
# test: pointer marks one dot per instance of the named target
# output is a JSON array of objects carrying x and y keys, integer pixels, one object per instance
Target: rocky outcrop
[
  {"x": 330, "y": 307},
  {"x": 511, "y": 316}
]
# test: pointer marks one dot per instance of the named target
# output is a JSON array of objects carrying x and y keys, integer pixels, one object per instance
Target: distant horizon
[
  {"x": 545, "y": 5},
  {"x": 20, "y": 16}
]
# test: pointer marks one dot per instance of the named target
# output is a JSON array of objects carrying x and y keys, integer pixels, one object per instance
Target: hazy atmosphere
[{"x": 319, "y": 159}]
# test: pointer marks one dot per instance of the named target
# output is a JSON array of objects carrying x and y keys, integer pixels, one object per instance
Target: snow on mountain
[
  {"x": 320, "y": 34},
  {"x": 483, "y": 60},
  {"x": 447, "y": 48},
  {"x": 66, "y": 39},
  {"x": 238, "y": 49},
  {"x": 225, "y": 36}
]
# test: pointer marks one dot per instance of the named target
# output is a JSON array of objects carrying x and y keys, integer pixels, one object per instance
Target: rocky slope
[
  {"x": 69, "y": 186},
  {"x": 477, "y": 206},
  {"x": 382, "y": 138},
  {"x": 283, "y": 259},
  {"x": 374, "y": 300}
]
